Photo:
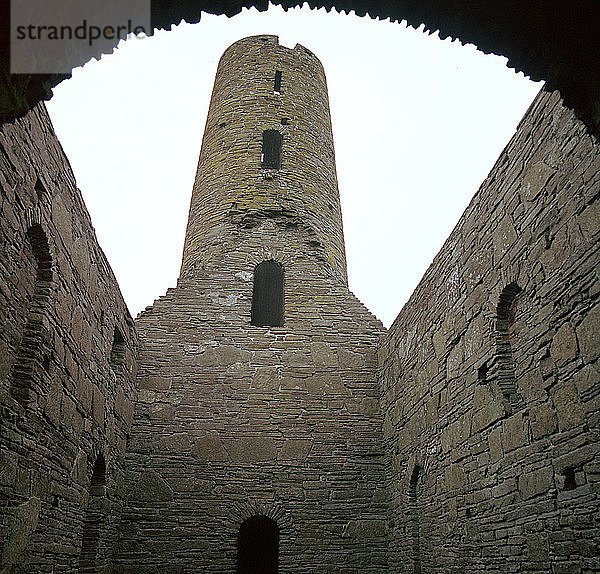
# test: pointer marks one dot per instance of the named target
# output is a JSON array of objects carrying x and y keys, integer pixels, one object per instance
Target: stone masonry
[
  {"x": 464, "y": 439},
  {"x": 233, "y": 419},
  {"x": 66, "y": 386},
  {"x": 492, "y": 465}
]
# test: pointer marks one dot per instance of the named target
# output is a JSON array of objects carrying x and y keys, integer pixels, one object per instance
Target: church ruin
[{"x": 257, "y": 418}]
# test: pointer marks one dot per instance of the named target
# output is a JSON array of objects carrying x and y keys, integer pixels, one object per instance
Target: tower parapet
[{"x": 267, "y": 153}]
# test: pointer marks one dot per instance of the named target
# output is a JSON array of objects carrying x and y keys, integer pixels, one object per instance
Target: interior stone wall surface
[
  {"x": 60, "y": 331},
  {"x": 481, "y": 479},
  {"x": 235, "y": 420}
]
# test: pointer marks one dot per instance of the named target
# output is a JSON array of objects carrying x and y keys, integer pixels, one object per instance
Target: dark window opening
[
  {"x": 271, "y": 149},
  {"x": 46, "y": 363},
  {"x": 258, "y": 546},
  {"x": 94, "y": 518},
  {"x": 117, "y": 351},
  {"x": 277, "y": 86},
  {"x": 41, "y": 252},
  {"x": 569, "y": 479},
  {"x": 482, "y": 374},
  {"x": 40, "y": 190},
  {"x": 267, "y": 295}
]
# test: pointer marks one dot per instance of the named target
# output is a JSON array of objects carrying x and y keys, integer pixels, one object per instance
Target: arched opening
[
  {"x": 94, "y": 518},
  {"x": 505, "y": 322},
  {"x": 32, "y": 361},
  {"x": 267, "y": 295},
  {"x": 117, "y": 350},
  {"x": 415, "y": 518},
  {"x": 258, "y": 546}
]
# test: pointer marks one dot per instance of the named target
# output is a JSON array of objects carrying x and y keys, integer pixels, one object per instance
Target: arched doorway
[{"x": 258, "y": 546}]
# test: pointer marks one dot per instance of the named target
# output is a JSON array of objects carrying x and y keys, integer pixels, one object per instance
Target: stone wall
[
  {"x": 490, "y": 373},
  {"x": 65, "y": 403},
  {"x": 235, "y": 420}
]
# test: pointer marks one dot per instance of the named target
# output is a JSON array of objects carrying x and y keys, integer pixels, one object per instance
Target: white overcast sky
[{"x": 417, "y": 124}]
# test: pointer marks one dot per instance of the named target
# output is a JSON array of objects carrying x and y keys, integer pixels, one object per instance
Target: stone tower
[
  {"x": 263, "y": 90},
  {"x": 257, "y": 432}
]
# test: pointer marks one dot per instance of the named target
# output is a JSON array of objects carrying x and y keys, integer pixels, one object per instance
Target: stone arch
[
  {"x": 269, "y": 252},
  {"x": 244, "y": 510},
  {"x": 94, "y": 517},
  {"x": 32, "y": 362},
  {"x": 561, "y": 63}
]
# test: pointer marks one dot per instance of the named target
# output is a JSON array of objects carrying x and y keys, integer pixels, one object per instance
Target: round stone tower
[{"x": 267, "y": 152}]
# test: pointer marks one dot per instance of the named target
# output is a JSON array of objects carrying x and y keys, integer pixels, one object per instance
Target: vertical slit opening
[
  {"x": 277, "y": 83},
  {"x": 94, "y": 518},
  {"x": 268, "y": 295},
  {"x": 271, "y": 149},
  {"x": 117, "y": 351},
  {"x": 569, "y": 479},
  {"x": 415, "y": 518},
  {"x": 482, "y": 374}
]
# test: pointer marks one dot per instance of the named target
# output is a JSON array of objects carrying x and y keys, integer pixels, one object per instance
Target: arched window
[
  {"x": 505, "y": 320},
  {"x": 32, "y": 358},
  {"x": 415, "y": 517},
  {"x": 258, "y": 546},
  {"x": 267, "y": 295},
  {"x": 271, "y": 149},
  {"x": 94, "y": 518}
]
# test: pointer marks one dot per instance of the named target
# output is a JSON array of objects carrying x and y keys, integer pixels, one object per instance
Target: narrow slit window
[
  {"x": 277, "y": 85},
  {"x": 267, "y": 295},
  {"x": 271, "y": 149},
  {"x": 414, "y": 503},
  {"x": 94, "y": 517}
]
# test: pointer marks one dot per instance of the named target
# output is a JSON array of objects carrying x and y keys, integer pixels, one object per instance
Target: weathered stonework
[
  {"x": 63, "y": 404},
  {"x": 231, "y": 191},
  {"x": 494, "y": 493},
  {"x": 464, "y": 439},
  {"x": 232, "y": 415}
]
